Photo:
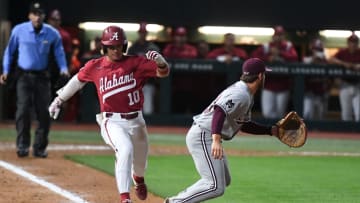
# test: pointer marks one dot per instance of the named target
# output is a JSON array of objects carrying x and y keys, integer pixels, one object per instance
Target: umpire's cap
[
  {"x": 254, "y": 66},
  {"x": 37, "y": 8}
]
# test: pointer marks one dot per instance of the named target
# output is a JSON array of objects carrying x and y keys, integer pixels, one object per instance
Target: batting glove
[
  {"x": 158, "y": 58},
  {"x": 54, "y": 108}
]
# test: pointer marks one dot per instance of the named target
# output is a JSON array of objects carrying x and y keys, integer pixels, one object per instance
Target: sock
[
  {"x": 139, "y": 179},
  {"x": 124, "y": 196}
]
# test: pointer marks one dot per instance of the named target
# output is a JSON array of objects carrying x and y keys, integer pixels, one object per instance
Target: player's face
[{"x": 114, "y": 52}]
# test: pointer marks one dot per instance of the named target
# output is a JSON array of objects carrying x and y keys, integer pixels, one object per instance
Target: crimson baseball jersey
[
  {"x": 119, "y": 84},
  {"x": 351, "y": 57},
  {"x": 277, "y": 83},
  {"x": 186, "y": 51},
  {"x": 222, "y": 51}
]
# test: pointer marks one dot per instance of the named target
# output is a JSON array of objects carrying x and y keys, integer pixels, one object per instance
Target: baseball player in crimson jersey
[
  {"x": 276, "y": 93},
  {"x": 228, "y": 114},
  {"x": 119, "y": 80},
  {"x": 349, "y": 91}
]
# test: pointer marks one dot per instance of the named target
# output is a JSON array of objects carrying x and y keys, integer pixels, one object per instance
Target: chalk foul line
[{"x": 69, "y": 195}]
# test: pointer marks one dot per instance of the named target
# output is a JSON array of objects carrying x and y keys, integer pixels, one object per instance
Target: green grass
[
  {"x": 256, "y": 179},
  {"x": 60, "y": 136},
  {"x": 283, "y": 179},
  {"x": 244, "y": 143}
]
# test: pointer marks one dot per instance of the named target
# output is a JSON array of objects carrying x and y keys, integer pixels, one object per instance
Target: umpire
[{"x": 29, "y": 48}]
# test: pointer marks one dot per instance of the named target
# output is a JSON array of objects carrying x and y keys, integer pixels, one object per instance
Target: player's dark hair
[
  {"x": 104, "y": 49},
  {"x": 249, "y": 78}
]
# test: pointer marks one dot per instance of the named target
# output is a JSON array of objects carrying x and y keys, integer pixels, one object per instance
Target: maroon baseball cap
[
  {"x": 353, "y": 38},
  {"x": 142, "y": 27},
  {"x": 279, "y": 30},
  {"x": 254, "y": 66},
  {"x": 180, "y": 31}
]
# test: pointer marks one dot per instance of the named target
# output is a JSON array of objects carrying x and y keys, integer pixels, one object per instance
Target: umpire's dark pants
[{"x": 32, "y": 93}]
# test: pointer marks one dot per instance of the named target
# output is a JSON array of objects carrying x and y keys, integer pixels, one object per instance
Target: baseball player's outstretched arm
[
  {"x": 64, "y": 94},
  {"x": 258, "y": 129}
]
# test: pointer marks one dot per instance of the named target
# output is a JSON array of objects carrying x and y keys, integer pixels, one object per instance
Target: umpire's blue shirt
[{"x": 33, "y": 49}]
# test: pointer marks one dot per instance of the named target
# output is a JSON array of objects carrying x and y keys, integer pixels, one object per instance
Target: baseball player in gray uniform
[{"x": 228, "y": 114}]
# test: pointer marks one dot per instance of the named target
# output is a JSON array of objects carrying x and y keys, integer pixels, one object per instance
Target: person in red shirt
[
  {"x": 57, "y": 81},
  {"x": 55, "y": 20},
  {"x": 179, "y": 48},
  {"x": 316, "y": 87},
  {"x": 119, "y": 80},
  {"x": 276, "y": 91},
  {"x": 349, "y": 92},
  {"x": 228, "y": 52}
]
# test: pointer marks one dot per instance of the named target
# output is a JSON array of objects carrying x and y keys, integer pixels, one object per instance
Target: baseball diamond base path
[{"x": 89, "y": 184}]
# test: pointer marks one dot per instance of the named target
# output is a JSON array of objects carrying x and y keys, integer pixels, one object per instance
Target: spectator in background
[
  {"x": 276, "y": 91},
  {"x": 94, "y": 52},
  {"x": 349, "y": 93},
  {"x": 202, "y": 49},
  {"x": 316, "y": 88},
  {"x": 75, "y": 64},
  {"x": 57, "y": 81},
  {"x": 140, "y": 47},
  {"x": 179, "y": 48},
  {"x": 29, "y": 44},
  {"x": 54, "y": 20},
  {"x": 228, "y": 52}
]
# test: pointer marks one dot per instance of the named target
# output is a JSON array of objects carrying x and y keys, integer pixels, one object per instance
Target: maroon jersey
[
  {"x": 66, "y": 40},
  {"x": 119, "y": 84},
  {"x": 347, "y": 56},
  {"x": 186, "y": 51},
  {"x": 288, "y": 53},
  {"x": 222, "y": 51}
]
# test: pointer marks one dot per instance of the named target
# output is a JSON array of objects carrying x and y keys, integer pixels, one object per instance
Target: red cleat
[
  {"x": 140, "y": 187},
  {"x": 141, "y": 191}
]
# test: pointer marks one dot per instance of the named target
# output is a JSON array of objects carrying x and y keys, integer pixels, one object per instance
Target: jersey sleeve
[
  {"x": 85, "y": 73},
  {"x": 146, "y": 68}
]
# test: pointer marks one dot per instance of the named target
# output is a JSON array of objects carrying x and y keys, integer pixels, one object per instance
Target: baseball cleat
[
  {"x": 141, "y": 191},
  {"x": 22, "y": 153},
  {"x": 40, "y": 153},
  {"x": 140, "y": 187}
]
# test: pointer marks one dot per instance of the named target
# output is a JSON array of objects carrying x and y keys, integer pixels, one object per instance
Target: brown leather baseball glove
[{"x": 292, "y": 130}]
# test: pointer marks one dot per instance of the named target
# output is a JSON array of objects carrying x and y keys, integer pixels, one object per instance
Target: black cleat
[
  {"x": 22, "y": 153},
  {"x": 40, "y": 153}
]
